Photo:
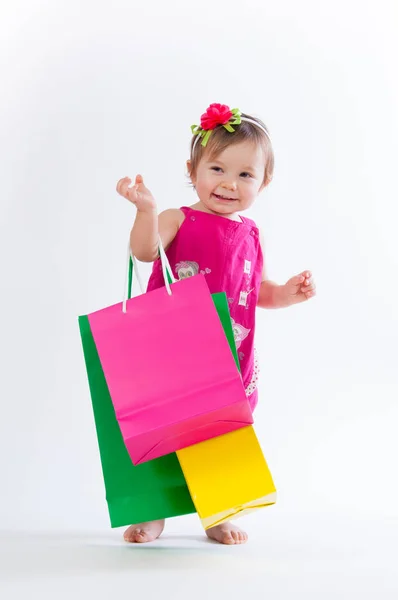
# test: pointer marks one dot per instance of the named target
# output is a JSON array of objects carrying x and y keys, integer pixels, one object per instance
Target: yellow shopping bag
[{"x": 227, "y": 476}]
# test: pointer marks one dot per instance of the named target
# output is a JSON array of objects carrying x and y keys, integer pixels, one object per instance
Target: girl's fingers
[
  {"x": 123, "y": 185},
  {"x": 296, "y": 280},
  {"x": 138, "y": 180},
  {"x": 132, "y": 193},
  {"x": 309, "y": 293},
  {"x": 308, "y": 288}
]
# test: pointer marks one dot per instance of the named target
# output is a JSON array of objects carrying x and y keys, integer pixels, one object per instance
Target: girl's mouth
[{"x": 224, "y": 198}]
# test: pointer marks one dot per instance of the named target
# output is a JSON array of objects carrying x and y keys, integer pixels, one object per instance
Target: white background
[{"x": 93, "y": 91}]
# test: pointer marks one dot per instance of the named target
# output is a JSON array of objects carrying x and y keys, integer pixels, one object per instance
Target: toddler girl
[{"x": 231, "y": 162}]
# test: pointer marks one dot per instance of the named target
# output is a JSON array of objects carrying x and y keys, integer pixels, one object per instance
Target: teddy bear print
[
  {"x": 186, "y": 269},
  {"x": 189, "y": 268}
]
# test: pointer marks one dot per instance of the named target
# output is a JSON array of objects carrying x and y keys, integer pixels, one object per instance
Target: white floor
[{"x": 313, "y": 558}]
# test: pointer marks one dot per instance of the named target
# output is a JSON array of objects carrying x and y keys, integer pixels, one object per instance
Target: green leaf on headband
[{"x": 206, "y": 137}]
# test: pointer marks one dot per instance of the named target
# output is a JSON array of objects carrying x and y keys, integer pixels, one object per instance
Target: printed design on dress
[
  {"x": 243, "y": 298},
  {"x": 240, "y": 333},
  {"x": 188, "y": 268},
  {"x": 248, "y": 266},
  {"x": 254, "y": 379}
]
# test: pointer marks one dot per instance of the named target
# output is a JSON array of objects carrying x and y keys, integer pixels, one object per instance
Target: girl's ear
[
  {"x": 189, "y": 169},
  {"x": 264, "y": 185}
]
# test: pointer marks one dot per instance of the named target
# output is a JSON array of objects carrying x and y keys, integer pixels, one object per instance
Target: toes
[
  {"x": 141, "y": 537},
  {"x": 235, "y": 536},
  {"x": 243, "y": 537},
  {"x": 135, "y": 536},
  {"x": 240, "y": 537},
  {"x": 130, "y": 535},
  {"x": 227, "y": 535},
  {"x": 228, "y": 538}
]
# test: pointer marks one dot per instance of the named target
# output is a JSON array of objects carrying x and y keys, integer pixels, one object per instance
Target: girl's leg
[{"x": 226, "y": 533}]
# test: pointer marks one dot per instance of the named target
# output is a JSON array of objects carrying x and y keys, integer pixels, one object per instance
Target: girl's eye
[
  {"x": 246, "y": 175},
  {"x": 217, "y": 169}
]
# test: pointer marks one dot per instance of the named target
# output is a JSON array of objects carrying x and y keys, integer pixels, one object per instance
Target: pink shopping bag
[{"x": 169, "y": 369}]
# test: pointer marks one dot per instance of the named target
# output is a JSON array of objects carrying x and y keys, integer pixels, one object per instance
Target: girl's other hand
[
  {"x": 300, "y": 288},
  {"x": 136, "y": 193}
]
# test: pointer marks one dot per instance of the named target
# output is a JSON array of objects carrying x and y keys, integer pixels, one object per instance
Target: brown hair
[{"x": 220, "y": 139}]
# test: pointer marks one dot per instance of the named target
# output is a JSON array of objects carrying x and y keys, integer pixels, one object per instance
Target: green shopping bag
[
  {"x": 152, "y": 490},
  {"x": 221, "y": 304},
  {"x": 135, "y": 494}
]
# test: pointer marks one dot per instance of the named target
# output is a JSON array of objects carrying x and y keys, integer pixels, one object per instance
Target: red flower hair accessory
[{"x": 215, "y": 115}]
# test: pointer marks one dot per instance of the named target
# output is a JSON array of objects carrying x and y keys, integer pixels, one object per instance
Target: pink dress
[{"x": 229, "y": 254}]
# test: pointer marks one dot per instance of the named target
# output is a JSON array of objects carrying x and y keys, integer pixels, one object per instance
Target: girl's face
[{"x": 232, "y": 181}]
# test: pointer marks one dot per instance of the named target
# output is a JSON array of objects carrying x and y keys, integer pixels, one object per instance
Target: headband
[{"x": 220, "y": 114}]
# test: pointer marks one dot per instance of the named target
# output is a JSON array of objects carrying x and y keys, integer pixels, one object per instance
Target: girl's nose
[{"x": 229, "y": 185}]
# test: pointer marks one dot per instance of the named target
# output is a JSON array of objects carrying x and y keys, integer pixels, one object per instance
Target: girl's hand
[
  {"x": 299, "y": 288},
  {"x": 136, "y": 193}
]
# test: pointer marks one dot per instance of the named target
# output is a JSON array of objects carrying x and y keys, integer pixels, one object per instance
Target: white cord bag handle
[{"x": 166, "y": 270}]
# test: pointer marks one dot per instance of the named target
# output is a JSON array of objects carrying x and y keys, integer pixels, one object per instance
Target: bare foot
[
  {"x": 226, "y": 533},
  {"x": 144, "y": 532}
]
